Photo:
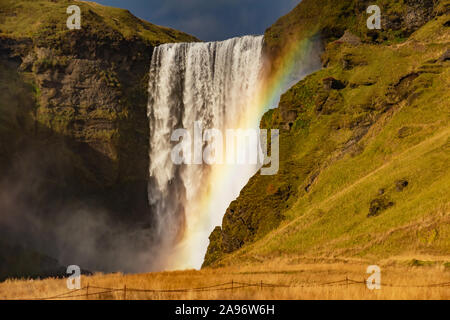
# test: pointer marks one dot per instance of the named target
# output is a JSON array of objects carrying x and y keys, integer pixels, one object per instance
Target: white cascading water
[{"x": 217, "y": 84}]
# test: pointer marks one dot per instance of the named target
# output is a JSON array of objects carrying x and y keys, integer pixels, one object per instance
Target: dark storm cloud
[{"x": 209, "y": 19}]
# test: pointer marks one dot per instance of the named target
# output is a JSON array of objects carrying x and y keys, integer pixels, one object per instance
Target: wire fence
[{"x": 91, "y": 291}]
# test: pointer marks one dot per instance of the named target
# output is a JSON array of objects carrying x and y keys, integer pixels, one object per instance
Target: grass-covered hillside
[
  {"x": 46, "y": 18},
  {"x": 364, "y": 153},
  {"x": 330, "y": 19}
]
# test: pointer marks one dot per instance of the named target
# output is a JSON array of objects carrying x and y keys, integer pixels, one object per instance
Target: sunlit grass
[
  {"x": 300, "y": 280},
  {"x": 407, "y": 139},
  {"x": 36, "y": 18}
]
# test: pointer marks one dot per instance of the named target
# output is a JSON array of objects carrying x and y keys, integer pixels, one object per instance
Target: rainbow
[
  {"x": 278, "y": 78},
  {"x": 229, "y": 180}
]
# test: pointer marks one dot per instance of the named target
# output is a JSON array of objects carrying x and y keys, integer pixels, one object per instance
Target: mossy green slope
[
  {"x": 42, "y": 18},
  {"x": 364, "y": 168},
  {"x": 330, "y": 19}
]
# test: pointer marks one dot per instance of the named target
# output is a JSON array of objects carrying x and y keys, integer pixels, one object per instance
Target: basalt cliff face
[
  {"x": 363, "y": 142},
  {"x": 73, "y": 130}
]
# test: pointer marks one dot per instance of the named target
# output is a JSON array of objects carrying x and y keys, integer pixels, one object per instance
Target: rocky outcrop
[
  {"x": 95, "y": 100},
  {"x": 346, "y": 20},
  {"x": 445, "y": 56},
  {"x": 350, "y": 38}
]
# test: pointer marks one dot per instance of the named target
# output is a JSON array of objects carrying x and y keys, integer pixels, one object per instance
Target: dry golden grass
[{"x": 302, "y": 279}]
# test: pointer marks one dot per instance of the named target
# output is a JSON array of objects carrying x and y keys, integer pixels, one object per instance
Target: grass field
[{"x": 400, "y": 279}]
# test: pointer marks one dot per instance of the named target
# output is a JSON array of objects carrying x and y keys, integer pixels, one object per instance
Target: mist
[{"x": 40, "y": 216}]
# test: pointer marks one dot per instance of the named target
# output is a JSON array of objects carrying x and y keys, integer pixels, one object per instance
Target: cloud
[{"x": 210, "y": 20}]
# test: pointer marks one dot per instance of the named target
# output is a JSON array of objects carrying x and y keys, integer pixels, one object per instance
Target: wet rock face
[
  {"x": 73, "y": 147},
  {"x": 90, "y": 86},
  {"x": 91, "y": 94},
  {"x": 74, "y": 133}
]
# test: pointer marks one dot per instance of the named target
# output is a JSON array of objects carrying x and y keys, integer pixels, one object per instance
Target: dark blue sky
[{"x": 209, "y": 19}]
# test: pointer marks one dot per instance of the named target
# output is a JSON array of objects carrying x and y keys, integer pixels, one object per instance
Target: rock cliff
[{"x": 73, "y": 125}]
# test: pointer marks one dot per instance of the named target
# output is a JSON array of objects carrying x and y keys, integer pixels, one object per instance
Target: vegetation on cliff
[
  {"x": 331, "y": 19},
  {"x": 46, "y": 19},
  {"x": 364, "y": 146}
]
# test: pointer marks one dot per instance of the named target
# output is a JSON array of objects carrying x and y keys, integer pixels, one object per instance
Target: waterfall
[{"x": 215, "y": 84}]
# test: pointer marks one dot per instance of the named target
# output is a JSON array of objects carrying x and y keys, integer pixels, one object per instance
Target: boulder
[
  {"x": 401, "y": 184},
  {"x": 332, "y": 83},
  {"x": 445, "y": 56},
  {"x": 350, "y": 38},
  {"x": 379, "y": 205}
]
